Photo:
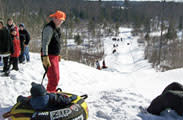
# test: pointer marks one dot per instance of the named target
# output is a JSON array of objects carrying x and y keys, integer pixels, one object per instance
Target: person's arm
[
  {"x": 10, "y": 42},
  {"x": 46, "y": 38},
  {"x": 61, "y": 100},
  {"x": 27, "y": 38},
  {"x": 22, "y": 99}
]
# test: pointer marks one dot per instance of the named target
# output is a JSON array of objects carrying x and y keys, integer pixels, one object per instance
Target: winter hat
[
  {"x": 58, "y": 15},
  {"x": 21, "y": 25},
  {"x": 37, "y": 90}
]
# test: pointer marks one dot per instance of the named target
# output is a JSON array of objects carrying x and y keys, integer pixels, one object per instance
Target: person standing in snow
[
  {"x": 6, "y": 47},
  {"x": 98, "y": 65},
  {"x": 24, "y": 41},
  {"x": 50, "y": 49},
  {"x": 16, "y": 44},
  {"x": 104, "y": 65}
]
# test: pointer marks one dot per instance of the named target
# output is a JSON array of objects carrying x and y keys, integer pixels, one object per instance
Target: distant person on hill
[
  {"x": 6, "y": 47},
  {"x": 114, "y": 50},
  {"x": 114, "y": 45},
  {"x": 171, "y": 97},
  {"x": 98, "y": 65},
  {"x": 121, "y": 39},
  {"x": 24, "y": 41},
  {"x": 104, "y": 65},
  {"x": 16, "y": 44},
  {"x": 50, "y": 49}
]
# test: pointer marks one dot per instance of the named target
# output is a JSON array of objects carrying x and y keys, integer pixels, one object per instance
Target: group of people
[
  {"x": 14, "y": 45},
  {"x": 115, "y": 46},
  {"x": 50, "y": 55},
  {"x": 13, "y": 48}
]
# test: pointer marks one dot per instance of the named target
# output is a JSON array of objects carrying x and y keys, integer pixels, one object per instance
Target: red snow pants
[{"x": 53, "y": 73}]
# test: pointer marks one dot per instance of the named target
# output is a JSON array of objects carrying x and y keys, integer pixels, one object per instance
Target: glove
[
  {"x": 46, "y": 61},
  {"x": 59, "y": 58},
  {"x": 21, "y": 98}
]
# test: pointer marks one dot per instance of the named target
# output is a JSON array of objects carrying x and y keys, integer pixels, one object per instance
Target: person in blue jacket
[{"x": 41, "y": 100}]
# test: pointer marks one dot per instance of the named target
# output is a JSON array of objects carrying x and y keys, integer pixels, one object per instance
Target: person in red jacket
[{"x": 16, "y": 44}]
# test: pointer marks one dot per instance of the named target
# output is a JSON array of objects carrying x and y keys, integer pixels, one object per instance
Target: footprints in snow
[{"x": 117, "y": 104}]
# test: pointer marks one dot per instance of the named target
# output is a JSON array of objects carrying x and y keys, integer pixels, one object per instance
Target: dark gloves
[
  {"x": 46, "y": 61},
  {"x": 21, "y": 98}
]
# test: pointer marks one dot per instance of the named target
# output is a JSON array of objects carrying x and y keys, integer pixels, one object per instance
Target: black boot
[
  {"x": 7, "y": 73},
  {"x": 6, "y": 62},
  {"x": 15, "y": 63}
]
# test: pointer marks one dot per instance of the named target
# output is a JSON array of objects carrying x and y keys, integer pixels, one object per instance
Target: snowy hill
[{"x": 115, "y": 93}]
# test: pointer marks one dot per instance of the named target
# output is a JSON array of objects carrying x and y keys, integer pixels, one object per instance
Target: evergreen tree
[
  {"x": 147, "y": 27},
  {"x": 126, "y": 10},
  {"x": 77, "y": 39},
  {"x": 147, "y": 37},
  {"x": 180, "y": 23},
  {"x": 171, "y": 34}
]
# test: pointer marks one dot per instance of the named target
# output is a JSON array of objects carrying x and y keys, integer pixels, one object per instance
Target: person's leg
[
  {"x": 22, "y": 57},
  {"x": 156, "y": 106},
  {"x": 53, "y": 74},
  {"x": 1, "y": 63},
  {"x": 15, "y": 63},
  {"x": 173, "y": 86},
  {"x": 27, "y": 53},
  {"x": 6, "y": 62}
]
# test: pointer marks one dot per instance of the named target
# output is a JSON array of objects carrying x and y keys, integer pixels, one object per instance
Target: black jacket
[
  {"x": 51, "y": 101},
  {"x": 24, "y": 37},
  {"x": 54, "y": 46},
  {"x": 6, "y": 44}
]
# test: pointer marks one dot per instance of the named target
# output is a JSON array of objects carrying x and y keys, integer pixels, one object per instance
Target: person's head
[
  {"x": 58, "y": 18},
  {"x": 10, "y": 21},
  {"x": 13, "y": 31},
  {"x": 1, "y": 24},
  {"x": 21, "y": 26},
  {"x": 37, "y": 90}
]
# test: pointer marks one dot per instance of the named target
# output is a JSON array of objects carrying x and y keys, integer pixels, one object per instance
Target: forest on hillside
[{"x": 89, "y": 21}]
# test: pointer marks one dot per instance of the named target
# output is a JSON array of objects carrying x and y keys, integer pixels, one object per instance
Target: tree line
[{"x": 89, "y": 21}]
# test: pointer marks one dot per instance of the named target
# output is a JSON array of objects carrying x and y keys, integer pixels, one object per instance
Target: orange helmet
[{"x": 58, "y": 15}]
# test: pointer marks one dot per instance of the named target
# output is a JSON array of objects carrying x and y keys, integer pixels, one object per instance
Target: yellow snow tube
[{"x": 78, "y": 110}]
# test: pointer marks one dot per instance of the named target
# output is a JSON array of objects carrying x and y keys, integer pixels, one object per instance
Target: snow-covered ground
[{"x": 115, "y": 93}]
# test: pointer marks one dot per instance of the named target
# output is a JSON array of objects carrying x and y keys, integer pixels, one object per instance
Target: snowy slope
[{"x": 115, "y": 93}]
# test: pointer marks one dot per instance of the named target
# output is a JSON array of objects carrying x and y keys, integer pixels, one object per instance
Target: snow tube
[{"x": 78, "y": 110}]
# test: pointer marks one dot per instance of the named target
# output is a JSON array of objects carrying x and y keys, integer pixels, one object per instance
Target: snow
[{"x": 115, "y": 93}]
